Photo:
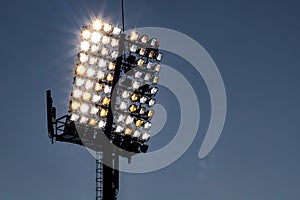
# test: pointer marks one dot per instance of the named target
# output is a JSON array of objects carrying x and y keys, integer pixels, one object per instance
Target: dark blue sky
[{"x": 256, "y": 47}]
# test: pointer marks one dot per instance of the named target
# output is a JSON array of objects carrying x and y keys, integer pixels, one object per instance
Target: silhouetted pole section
[
  {"x": 99, "y": 179},
  {"x": 110, "y": 174}
]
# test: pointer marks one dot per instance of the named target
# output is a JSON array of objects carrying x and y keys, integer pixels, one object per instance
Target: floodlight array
[
  {"x": 137, "y": 88},
  {"x": 95, "y": 73}
]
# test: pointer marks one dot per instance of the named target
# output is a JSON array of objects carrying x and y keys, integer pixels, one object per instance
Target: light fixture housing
[{"x": 115, "y": 84}]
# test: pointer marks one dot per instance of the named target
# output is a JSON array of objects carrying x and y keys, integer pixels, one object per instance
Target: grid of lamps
[{"x": 133, "y": 93}]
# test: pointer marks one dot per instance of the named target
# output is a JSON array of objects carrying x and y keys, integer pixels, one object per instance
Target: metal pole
[
  {"x": 123, "y": 16},
  {"x": 99, "y": 180},
  {"x": 110, "y": 175}
]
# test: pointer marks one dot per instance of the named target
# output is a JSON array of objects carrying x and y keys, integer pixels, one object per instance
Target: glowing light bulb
[
  {"x": 79, "y": 82},
  {"x": 74, "y": 117},
  {"x": 152, "y": 42},
  {"x": 88, "y": 84},
  {"x": 95, "y": 37},
  {"x": 94, "y": 110},
  {"x": 94, "y": 48},
  {"x": 83, "y": 57},
  {"x": 133, "y": 48},
  {"x": 123, "y": 106},
  {"x": 105, "y": 39},
  {"x": 144, "y": 39},
  {"x": 92, "y": 60},
  {"x": 83, "y": 120},
  {"x": 143, "y": 99},
  {"x": 147, "y": 125},
  {"x": 110, "y": 77},
  {"x": 147, "y": 77},
  {"x": 104, "y": 51},
  {"x": 154, "y": 90},
  {"x": 149, "y": 65},
  {"x": 119, "y": 129},
  {"x": 93, "y": 122},
  {"x": 111, "y": 66},
  {"x": 140, "y": 62},
  {"x": 121, "y": 118},
  {"x": 90, "y": 73},
  {"x": 116, "y": 31},
  {"x": 142, "y": 51},
  {"x": 137, "y": 134},
  {"x": 96, "y": 98},
  {"x": 103, "y": 112},
  {"x": 151, "y": 102},
  {"x": 125, "y": 94},
  {"x": 157, "y": 67},
  {"x": 86, "y": 96},
  {"x": 101, "y": 124},
  {"x": 101, "y": 75},
  {"x": 98, "y": 87},
  {"x": 132, "y": 108},
  {"x": 86, "y": 34},
  {"x": 155, "y": 79},
  {"x": 146, "y": 136},
  {"x": 107, "y": 27},
  {"x": 74, "y": 105},
  {"x": 129, "y": 120},
  {"x": 134, "y": 97},
  {"x": 84, "y": 46},
  {"x": 77, "y": 93},
  {"x": 114, "y": 54},
  {"x": 114, "y": 42},
  {"x": 139, "y": 122},
  {"x": 107, "y": 89},
  {"x": 151, "y": 54},
  {"x": 142, "y": 111},
  {"x": 97, "y": 25},
  {"x": 102, "y": 63},
  {"x": 128, "y": 131},
  {"x": 105, "y": 101},
  {"x": 150, "y": 113},
  {"x": 84, "y": 108},
  {"x": 159, "y": 57},
  {"x": 138, "y": 74},
  {"x": 134, "y": 36},
  {"x": 136, "y": 85},
  {"x": 80, "y": 70}
]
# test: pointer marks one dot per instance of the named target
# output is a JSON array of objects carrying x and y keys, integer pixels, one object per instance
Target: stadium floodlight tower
[{"x": 112, "y": 97}]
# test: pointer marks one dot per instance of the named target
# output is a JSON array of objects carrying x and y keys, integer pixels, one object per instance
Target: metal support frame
[
  {"x": 64, "y": 130},
  {"x": 99, "y": 177}
]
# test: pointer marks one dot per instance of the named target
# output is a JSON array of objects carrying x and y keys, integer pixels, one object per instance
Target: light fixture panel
[{"x": 98, "y": 61}]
